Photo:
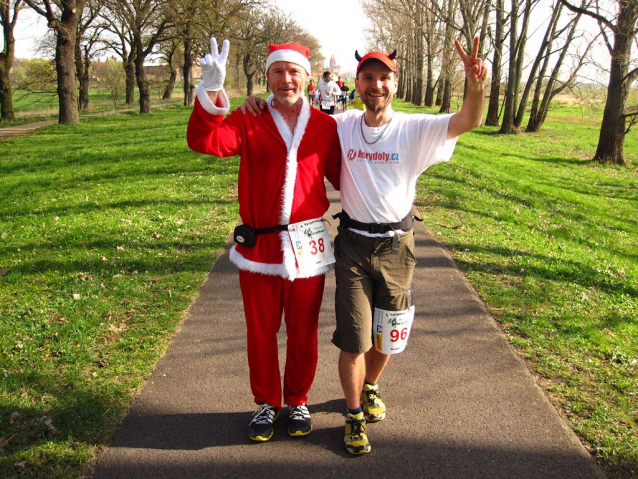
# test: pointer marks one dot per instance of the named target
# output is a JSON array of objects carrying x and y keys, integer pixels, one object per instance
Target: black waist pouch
[{"x": 245, "y": 236}]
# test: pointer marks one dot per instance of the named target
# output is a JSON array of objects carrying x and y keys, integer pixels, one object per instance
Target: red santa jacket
[{"x": 280, "y": 173}]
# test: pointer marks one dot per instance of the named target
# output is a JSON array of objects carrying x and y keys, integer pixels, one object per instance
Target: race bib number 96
[{"x": 391, "y": 329}]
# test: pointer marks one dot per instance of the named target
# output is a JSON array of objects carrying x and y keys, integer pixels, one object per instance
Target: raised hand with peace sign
[
  {"x": 471, "y": 113},
  {"x": 475, "y": 70},
  {"x": 213, "y": 66}
]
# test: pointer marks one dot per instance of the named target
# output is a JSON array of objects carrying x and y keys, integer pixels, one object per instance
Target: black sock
[{"x": 354, "y": 412}]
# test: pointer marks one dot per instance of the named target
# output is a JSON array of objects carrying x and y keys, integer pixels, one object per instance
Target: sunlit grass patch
[
  {"x": 107, "y": 230},
  {"x": 549, "y": 240}
]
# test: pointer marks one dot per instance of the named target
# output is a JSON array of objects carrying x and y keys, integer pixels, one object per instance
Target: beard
[
  {"x": 376, "y": 104},
  {"x": 288, "y": 101}
]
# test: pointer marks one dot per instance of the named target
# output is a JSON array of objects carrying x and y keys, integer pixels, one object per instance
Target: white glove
[{"x": 214, "y": 66}]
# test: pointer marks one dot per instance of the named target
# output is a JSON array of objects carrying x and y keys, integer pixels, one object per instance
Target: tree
[
  {"x": 553, "y": 86},
  {"x": 122, "y": 46},
  {"x": 495, "y": 86},
  {"x": 145, "y": 22},
  {"x": 87, "y": 37},
  {"x": 62, "y": 17},
  {"x": 622, "y": 26},
  {"x": 8, "y": 17},
  {"x": 517, "y": 55},
  {"x": 110, "y": 75},
  {"x": 196, "y": 21},
  {"x": 170, "y": 53}
]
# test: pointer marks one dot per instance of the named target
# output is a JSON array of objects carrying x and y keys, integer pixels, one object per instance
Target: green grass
[
  {"x": 549, "y": 240},
  {"x": 107, "y": 230},
  {"x": 33, "y": 107}
]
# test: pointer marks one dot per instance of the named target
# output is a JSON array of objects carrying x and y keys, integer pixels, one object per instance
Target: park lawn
[
  {"x": 549, "y": 240},
  {"x": 32, "y": 107},
  {"x": 107, "y": 231}
]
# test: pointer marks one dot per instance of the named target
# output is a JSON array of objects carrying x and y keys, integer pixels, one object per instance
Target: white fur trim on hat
[{"x": 291, "y": 56}]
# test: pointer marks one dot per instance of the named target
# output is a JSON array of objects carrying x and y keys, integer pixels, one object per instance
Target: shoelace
[
  {"x": 263, "y": 416},
  {"x": 356, "y": 427},
  {"x": 299, "y": 412},
  {"x": 372, "y": 395}
]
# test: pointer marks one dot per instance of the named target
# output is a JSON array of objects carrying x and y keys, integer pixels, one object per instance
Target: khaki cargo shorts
[{"x": 369, "y": 275}]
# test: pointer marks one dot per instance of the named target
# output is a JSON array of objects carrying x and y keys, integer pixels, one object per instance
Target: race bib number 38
[
  {"x": 391, "y": 329},
  {"x": 311, "y": 244}
]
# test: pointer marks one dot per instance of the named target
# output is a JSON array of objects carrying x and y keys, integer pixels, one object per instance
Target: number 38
[{"x": 317, "y": 246}]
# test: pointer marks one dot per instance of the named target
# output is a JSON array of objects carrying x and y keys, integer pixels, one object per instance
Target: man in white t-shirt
[
  {"x": 327, "y": 93},
  {"x": 384, "y": 152}
]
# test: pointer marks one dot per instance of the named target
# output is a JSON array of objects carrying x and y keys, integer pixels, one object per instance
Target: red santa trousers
[{"x": 265, "y": 298}]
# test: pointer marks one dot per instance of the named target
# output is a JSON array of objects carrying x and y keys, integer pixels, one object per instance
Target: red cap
[
  {"x": 289, "y": 52},
  {"x": 387, "y": 60}
]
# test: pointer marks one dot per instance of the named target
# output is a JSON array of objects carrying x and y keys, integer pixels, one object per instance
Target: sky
[{"x": 338, "y": 25}]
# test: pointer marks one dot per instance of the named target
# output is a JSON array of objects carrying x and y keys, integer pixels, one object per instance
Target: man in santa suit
[{"x": 285, "y": 155}]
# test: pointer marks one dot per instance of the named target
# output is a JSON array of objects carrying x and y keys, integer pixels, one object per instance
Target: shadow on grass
[{"x": 566, "y": 271}]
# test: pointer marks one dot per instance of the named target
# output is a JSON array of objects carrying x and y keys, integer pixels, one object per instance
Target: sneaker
[
  {"x": 355, "y": 435},
  {"x": 260, "y": 427},
  {"x": 371, "y": 402},
  {"x": 299, "y": 422}
]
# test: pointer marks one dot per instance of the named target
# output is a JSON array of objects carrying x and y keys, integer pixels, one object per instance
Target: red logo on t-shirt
[{"x": 352, "y": 154}]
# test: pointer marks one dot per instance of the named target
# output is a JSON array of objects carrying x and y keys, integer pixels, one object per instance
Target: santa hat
[
  {"x": 289, "y": 52},
  {"x": 387, "y": 60}
]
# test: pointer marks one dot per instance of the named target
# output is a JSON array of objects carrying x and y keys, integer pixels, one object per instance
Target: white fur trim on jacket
[
  {"x": 208, "y": 105},
  {"x": 268, "y": 269},
  {"x": 292, "y": 141}
]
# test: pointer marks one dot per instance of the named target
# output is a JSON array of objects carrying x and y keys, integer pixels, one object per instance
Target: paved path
[
  {"x": 461, "y": 404},
  {"x": 19, "y": 130}
]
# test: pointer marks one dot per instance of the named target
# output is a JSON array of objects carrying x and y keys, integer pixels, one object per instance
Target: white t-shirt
[
  {"x": 329, "y": 92},
  {"x": 378, "y": 182}
]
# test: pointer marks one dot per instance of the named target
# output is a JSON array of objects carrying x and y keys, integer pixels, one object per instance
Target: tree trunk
[
  {"x": 129, "y": 70},
  {"x": 495, "y": 86},
  {"x": 82, "y": 66},
  {"x": 143, "y": 84},
  {"x": 6, "y": 62},
  {"x": 417, "y": 96},
  {"x": 249, "y": 71},
  {"x": 170, "y": 85},
  {"x": 429, "y": 83},
  {"x": 446, "y": 101},
  {"x": 65, "y": 69},
  {"x": 541, "y": 59},
  {"x": 6, "y": 95},
  {"x": 612, "y": 129},
  {"x": 539, "y": 113},
  {"x": 512, "y": 89},
  {"x": 188, "y": 71},
  {"x": 440, "y": 90}
]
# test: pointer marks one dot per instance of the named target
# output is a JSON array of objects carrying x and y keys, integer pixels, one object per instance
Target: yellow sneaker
[
  {"x": 373, "y": 407},
  {"x": 355, "y": 437}
]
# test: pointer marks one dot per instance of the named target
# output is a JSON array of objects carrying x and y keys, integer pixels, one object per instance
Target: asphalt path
[{"x": 461, "y": 403}]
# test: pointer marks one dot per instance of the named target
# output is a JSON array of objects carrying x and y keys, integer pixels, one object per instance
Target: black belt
[
  {"x": 346, "y": 222},
  {"x": 274, "y": 229},
  {"x": 245, "y": 235},
  {"x": 405, "y": 224}
]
